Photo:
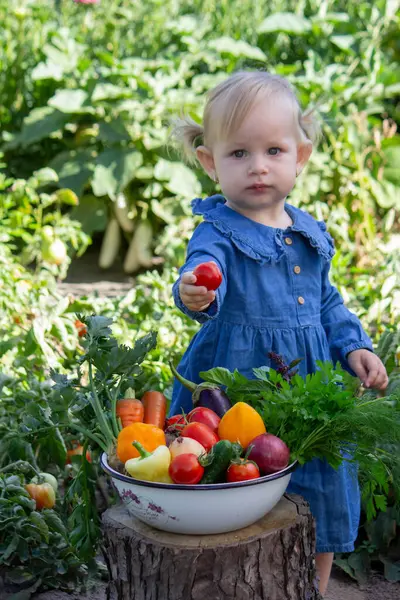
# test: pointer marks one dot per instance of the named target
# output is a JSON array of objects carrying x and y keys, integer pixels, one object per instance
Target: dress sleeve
[
  {"x": 343, "y": 329},
  {"x": 204, "y": 246}
]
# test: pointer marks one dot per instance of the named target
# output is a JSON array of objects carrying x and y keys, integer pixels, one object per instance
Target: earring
[{"x": 215, "y": 178}]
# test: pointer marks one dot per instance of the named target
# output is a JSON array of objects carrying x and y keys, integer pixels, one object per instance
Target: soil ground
[
  {"x": 341, "y": 587},
  {"x": 85, "y": 277}
]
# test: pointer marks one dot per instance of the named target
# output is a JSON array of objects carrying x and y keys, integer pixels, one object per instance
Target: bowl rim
[{"x": 198, "y": 486}]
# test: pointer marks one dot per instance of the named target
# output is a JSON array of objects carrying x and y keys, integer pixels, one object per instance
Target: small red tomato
[
  {"x": 208, "y": 275},
  {"x": 81, "y": 328},
  {"x": 174, "y": 420},
  {"x": 186, "y": 469},
  {"x": 202, "y": 434},
  {"x": 78, "y": 451},
  {"x": 242, "y": 471},
  {"x": 201, "y": 414}
]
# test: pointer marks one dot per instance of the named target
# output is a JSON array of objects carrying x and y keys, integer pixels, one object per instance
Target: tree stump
[{"x": 270, "y": 560}]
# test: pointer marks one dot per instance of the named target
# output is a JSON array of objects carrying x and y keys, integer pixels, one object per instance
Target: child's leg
[{"x": 323, "y": 562}]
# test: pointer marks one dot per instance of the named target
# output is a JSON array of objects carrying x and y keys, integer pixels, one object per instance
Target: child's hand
[
  {"x": 196, "y": 298},
  {"x": 369, "y": 368}
]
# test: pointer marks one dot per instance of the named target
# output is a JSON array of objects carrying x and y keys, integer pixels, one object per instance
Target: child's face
[{"x": 256, "y": 166}]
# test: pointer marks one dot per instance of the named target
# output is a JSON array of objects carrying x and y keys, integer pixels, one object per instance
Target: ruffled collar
[{"x": 260, "y": 242}]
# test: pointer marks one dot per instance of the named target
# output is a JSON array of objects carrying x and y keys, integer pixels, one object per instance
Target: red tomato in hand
[
  {"x": 186, "y": 469},
  {"x": 208, "y": 275},
  {"x": 202, "y": 434},
  {"x": 204, "y": 415},
  {"x": 242, "y": 471}
]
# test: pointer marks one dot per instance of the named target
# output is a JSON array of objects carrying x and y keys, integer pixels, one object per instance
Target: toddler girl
[{"x": 275, "y": 294}]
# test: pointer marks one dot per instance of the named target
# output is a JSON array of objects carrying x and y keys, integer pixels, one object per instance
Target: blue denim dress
[{"x": 275, "y": 297}]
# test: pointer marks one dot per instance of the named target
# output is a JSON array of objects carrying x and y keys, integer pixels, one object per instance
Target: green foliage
[
  {"x": 87, "y": 94},
  {"x": 32, "y": 221},
  {"x": 322, "y": 417},
  {"x": 96, "y": 89},
  {"x": 35, "y": 549}
]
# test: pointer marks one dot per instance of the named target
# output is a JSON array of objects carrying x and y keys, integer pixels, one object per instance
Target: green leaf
[
  {"x": 74, "y": 169},
  {"x": 54, "y": 522},
  {"x": 360, "y": 563},
  {"x": 392, "y": 161},
  {"x": 218, "y": 375},
  {"x": 47, "y": 70},
  {"x": 10, "y": 549},
  {"x": 121, "y": 360},
  {"x": 45, "y": 175},
  {"x": 344, "y": 42},
  {"x": 388, "y": 285},
  {"x": 39, "y": 124},
  {"x": 98, "y": 326},
  {"x": 381, "y": 502},
  {"x": 285, "y": 21},
  {"x": 343, "y": 564},
  {"x": 180, "y": 180},
  {"x": 70, "y": 101},
  {"x": 108, "y": 91},
  {"x": 114, "y": 170},
  {"x": 114, "y": 131},
  {"x": 91, "y": 214},
  {"x": 234, "y": 47},
  {"x": 391, "y": 569},
  {"x": 38, "y": 329},
  {"x": 39, "y": 522}
]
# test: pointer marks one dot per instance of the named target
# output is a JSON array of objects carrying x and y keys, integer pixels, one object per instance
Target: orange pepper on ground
[
  {"x": 148, "y": 435},
  {"x": 241, "y": 423}
]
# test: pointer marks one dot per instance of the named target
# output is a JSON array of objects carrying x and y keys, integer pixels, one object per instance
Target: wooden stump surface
[{"x": 273, "y": 559}]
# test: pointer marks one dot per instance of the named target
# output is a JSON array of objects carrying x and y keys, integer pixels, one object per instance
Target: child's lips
[{"x": 259, "y": 187}]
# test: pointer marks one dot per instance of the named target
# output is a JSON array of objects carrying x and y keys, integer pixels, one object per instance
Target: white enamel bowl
[{"x": 200, "y": 509}]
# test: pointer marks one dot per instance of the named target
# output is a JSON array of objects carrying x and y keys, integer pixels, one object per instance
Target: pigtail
[
  {"x": 185, "y": 135},
  {"x": 310, "y": 125}
]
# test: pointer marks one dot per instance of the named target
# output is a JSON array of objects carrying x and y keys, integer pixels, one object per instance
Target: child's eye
[
  {"x": 274, "y": 151},
  {"x": 239, "y": 153}
]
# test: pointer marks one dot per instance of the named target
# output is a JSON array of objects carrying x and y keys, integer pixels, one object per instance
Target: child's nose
[{"x": 259, "y": 166}]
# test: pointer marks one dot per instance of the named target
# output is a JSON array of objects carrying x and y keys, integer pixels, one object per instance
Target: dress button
[
  {"x": 288, "y": 241},
  {"x": 297, "y": 269},
  {"x": 300, "y": 300}
]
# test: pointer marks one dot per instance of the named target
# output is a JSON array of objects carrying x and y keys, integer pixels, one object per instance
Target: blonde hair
[{"x": 227, "y": 106}]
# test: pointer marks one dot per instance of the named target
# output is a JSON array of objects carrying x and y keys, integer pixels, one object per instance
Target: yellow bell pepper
[
  {"x": 150, "y": 466},
  {"x": 241, "y": 423}
]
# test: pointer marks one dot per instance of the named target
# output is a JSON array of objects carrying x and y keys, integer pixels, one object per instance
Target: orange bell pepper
[
  {"x": 241, "y": 423},
  {"x": 148, "y": 435}
]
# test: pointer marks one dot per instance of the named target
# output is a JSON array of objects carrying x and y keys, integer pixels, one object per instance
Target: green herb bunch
[{"x": 322, "y": 417}]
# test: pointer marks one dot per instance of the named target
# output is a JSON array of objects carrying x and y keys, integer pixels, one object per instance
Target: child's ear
[
  {"x": 304, "y": 150},
  {"x": 206, "y": 160}
]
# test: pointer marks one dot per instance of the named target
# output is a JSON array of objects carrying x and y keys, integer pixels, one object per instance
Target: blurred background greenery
[{"x": 87, "y": 92}]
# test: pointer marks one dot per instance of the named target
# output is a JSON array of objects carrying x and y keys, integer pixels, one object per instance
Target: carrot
[
  {"x": 155, "y": 408},
  {"x": 129, "y": 409}
]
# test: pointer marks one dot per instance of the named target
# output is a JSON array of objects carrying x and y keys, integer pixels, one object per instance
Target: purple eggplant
[{"x": 208, "y": 395}]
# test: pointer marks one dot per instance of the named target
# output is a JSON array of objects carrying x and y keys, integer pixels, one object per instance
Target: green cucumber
[{"x": 220, "y": 457}]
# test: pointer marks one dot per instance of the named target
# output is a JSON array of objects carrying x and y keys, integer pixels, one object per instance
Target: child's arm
[{"x": 348, "y": 342}]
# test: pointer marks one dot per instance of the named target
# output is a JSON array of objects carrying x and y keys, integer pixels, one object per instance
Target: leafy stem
[
  {"x": 104, "y": 426},
  {"x": 23, "y": 465},
  {"x": 113, "y": 402}
]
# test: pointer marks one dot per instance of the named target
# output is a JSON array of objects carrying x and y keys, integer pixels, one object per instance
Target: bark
[{"x": 270, "y": 560}]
